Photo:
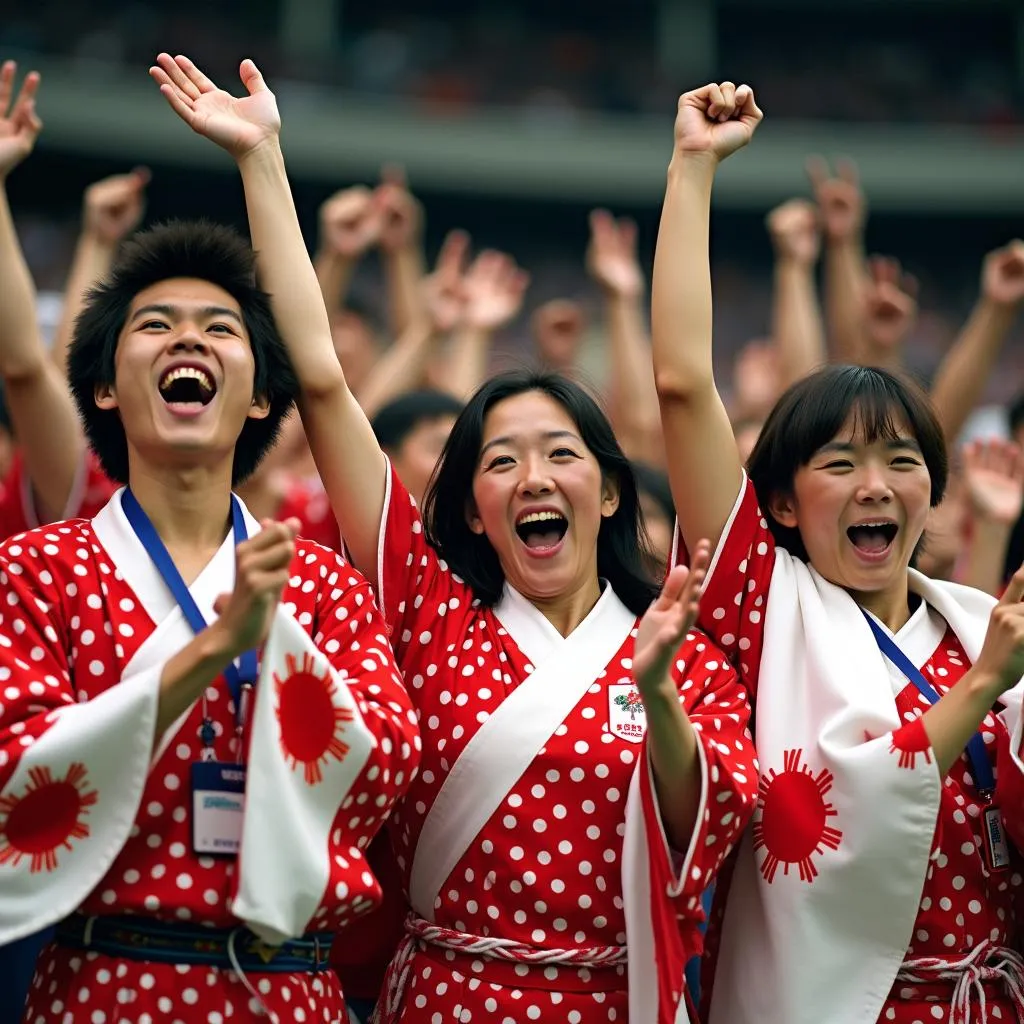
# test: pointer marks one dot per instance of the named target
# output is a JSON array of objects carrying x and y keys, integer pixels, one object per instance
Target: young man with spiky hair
[{"x": 201, "y": 724}]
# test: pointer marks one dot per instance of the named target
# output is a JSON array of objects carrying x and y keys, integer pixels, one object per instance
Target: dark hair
[
  {"x": 395, "y": 421},
  {"x": 188, "y": 249},
  {"x": 1015, "y": 414},
  {"x": 813, "y": 410},
  {"x": 623, "y": 551},
  {"x": 655, "y": 483}
]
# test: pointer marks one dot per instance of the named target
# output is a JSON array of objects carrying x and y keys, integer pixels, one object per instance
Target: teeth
[
  {"x": 538, "y": 517},
  {"x": 183, "y": 372},
  {"x": 873, "y": 523}
]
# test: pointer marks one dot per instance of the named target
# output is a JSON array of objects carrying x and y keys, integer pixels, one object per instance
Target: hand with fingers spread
[
  {"x": 889, "y": 305},
  {"x": 240, "y": 125},
  {"x": 993, "y": 475},
  {"x": 400, "y": 212},
  {"x": 839, "y": 197},
  {"x": 667, "y": 622},
  {"x": 794, "y": 232},
  {"x": 350, "y": 223},
  {"x": 611, "y": 256},
  {"x": 716, "y": 120},
  {"x": 443, "y": 289},
  {"x": 1001, "y": 662},
  {"x": 1002, "y": 276},
  {"x": 261, "y": 572},
  {"x": 493, "y": 288},
  {"x": 558, "y": 327},
  {"x": 115, "y": 205},
  {"x": 19, "y": 124}
]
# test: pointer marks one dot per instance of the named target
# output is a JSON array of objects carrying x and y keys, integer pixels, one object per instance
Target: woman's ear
[
  {"x": 473, "y": 519},
  {"x": 610, "y": 492},
  {"x": 782, "y": 509}
]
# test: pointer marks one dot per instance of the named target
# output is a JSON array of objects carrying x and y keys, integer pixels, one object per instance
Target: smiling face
[
  {"x": 539, "y": 496},
  {"x": 184, "y": 369},
  {"x": 861, "y": 507}
]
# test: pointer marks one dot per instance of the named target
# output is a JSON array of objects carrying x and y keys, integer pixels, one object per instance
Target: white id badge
[
  {"x": 996, "y": 847},
  {"x": 218, "y": 807}
]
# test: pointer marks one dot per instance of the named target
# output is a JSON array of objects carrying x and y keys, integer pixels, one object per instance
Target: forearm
[
  {"x": 844, "y": 280},
  {"x": 675, "y": 762},
  {"x": 404, "y": 269},
  {"x": 286, "y": 271},
  {"x": 91, "y": 264},
  {"x": 956, "y": 717},
  {"x": 466, "y": 361},
  {"x": 982, "y": 565},
  {"x": 966, "y": 367},
  {"x": 632, "y": 395},
  {"x": 334, "y": 275},
  {"x": 187, "y": 675},
  {"x": 797, "y": 329},
  {"x": 400, "y": 369}
]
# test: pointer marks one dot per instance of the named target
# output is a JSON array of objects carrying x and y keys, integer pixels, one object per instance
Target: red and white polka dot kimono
[
  {"x": 862, "y": 889},
  {"x": 534, "y": 803},
  {"x": 95, "y": 818}
]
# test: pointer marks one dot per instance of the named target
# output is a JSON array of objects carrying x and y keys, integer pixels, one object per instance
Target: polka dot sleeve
[
  {"x": 416, "y": 586},
  {"x": 350, "y": 630},
  {"x": 732, "y": 608}
]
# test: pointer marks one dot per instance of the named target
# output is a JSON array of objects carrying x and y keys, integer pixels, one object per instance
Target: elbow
[{"x": 679, "y": 388}]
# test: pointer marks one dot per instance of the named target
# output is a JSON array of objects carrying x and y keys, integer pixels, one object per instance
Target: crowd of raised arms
[{"x": 341, "y": 685}]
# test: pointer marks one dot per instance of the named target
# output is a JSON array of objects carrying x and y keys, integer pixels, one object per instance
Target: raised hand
[
  {"x": 667, "y": 621},
  {"x": 756, "y": 379},
  {"x": 1002, "y": 275},
  {"x": 1002, "y": 654},
  {"x": 993, "y": 475},
  {"x": 400, "y": 212},
  {"x": 443, "y": 290},
  {"x": 716, "y": 120},
  {"x": 558, "y": 328},
  {"x": 115, "y": 205},
  {"x": 261, "y": 572},
  {"x": 239, "y": 125},
  {"x": 889, "y": 304},
  {"x": 611, "y": 256},
  {"x": 493, "y": 288},
  {"x": 19, "y": 124},
  {"x": 794, "y": 231},
  {"x": 350, "y": 222},
  {"x": 839, "y": 197}
]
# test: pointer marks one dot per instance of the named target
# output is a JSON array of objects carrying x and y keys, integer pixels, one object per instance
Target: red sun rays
[
  {"x": 793, "y": 814},
  {"x": 311, "y": 723},
  {"x": 46, "y": 817}
]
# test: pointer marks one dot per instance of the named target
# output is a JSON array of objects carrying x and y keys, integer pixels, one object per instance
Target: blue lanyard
[
  {"x": 248, "y": 668},
  {"x": 981, "y": 766}
]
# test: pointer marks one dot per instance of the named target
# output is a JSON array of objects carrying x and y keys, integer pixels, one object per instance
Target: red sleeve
[
  {"x": 733, "y": 604},
  {"x": 416, "y": 587},
  {"x": 310, "y": 506}
]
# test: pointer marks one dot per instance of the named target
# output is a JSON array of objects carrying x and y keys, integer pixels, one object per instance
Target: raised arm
[
  {"x": 112, "y": 210},
  {"x": 842, "y": 208},
  {"x": 42, "y": 412},
  {"x": 347, "y": 455},
  {"x": 888, "y": 313},
  {"x": 797, "y": 329},
  {"x": 632, "y": 400},
  {"x": 966, "y": 367},
  {"x": 401, "y": 247},
  {"x": 703, "y": 463},
  {"x": 350, "y": 223}
]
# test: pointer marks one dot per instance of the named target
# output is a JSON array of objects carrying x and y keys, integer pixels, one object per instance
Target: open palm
[
  {"x": 237, "y": 124},
  {"x": 19, "y": 125}
]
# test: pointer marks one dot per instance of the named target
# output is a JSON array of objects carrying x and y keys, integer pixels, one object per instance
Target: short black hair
[
  {"x": 655, "y": 483},
  {"x": 185, "y": 249},
  {"x": 395, "y": 421},
  {"x": 813, "y": 410},
  {"x": 624, "y": 556}
]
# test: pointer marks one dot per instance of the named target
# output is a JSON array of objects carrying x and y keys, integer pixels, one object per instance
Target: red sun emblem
[
  {"x": 311, "y": 723},
  {"x": 47, "y": 816},
  {"x": 793, "y": 814}
]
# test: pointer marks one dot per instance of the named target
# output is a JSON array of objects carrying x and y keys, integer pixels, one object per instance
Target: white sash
[
  {"x": 505, "y": 745},
  {"x": 796, "y": 951}
]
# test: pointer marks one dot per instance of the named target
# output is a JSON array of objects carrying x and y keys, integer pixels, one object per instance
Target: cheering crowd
[{"x": 340, "y": 684}]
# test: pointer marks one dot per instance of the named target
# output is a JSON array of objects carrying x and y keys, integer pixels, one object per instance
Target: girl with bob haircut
[
  {"x": 568, "y": 742},
  {"x": 878, "y": 879}
]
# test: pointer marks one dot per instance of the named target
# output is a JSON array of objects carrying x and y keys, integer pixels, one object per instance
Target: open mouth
[
  {"x": 541, "y": 531},
  {"x": 873, "y": 538},
  {"x": 187, "y": 386}
]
